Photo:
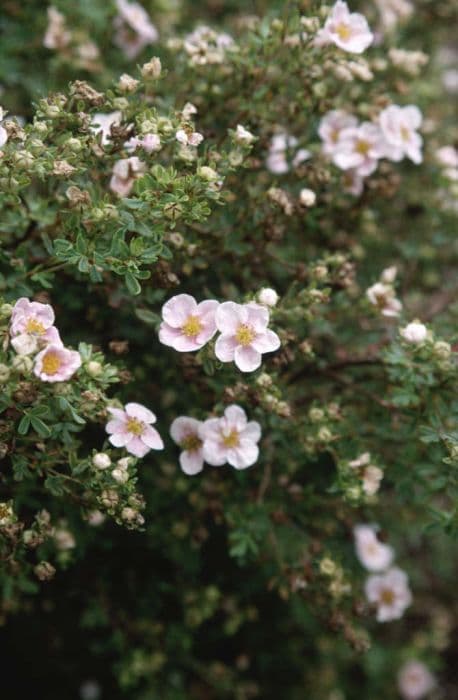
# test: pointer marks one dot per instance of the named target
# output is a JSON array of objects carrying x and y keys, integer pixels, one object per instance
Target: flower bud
[
  {"x": 152, "y": 69},
  {"x": 44, "y": 571},
  {"x": 120, "y": 475},
  {"x": 307, "y": 197},
  {"x": 94, "y": 368},
  {"x": 101, "y": 460},
  {"x": 268, "y": 296}
]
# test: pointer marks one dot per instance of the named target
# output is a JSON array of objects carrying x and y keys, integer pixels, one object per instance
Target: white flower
[
  {"x": 360, "y": 461},
  {"x": 307, "y": 197},
  {"x": 347, "y": 30},
  {"x": 244, "y": 334},
  {"x": 131, "y": 428},
  {"x": 447, "y": 156},
  {"x": 268, "y": 296},
  {"x": 120, "y": 475},
  {"x": 188, "y": 433},
  {"x": 371, "y": 478},
  {"x": 384, "y": 298},
  {"x": 231, "y": 439},
  {"x": 102, "y": 123},
  {"x": 192, "y": 138},
  {"x": 390, "y": 593},
  {"x": 389, "y": 274},
  {"x": 134, "y": 29},
  {"x": 243, "y": 136},
  {"x": 331, "y": 127},
  {"x": 415, "y": 680},
  {"x": 415, "y": 332},
  {"x": 372, "y": 553},
  {"x": 359, "y": 149},
  {"x": 399, "y": 125},
  {"x": 25, "y": 343},
  {"x": 101, "y": 460},
  {"x": 281, "y": 147}
]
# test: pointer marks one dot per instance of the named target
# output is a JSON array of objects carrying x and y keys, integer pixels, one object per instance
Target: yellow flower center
[
  {"x": 51, "y": 363},
  {"x": 245, "y": 334},
  {"x": 232, "y": 439},
  {"x": 191, "y": 442},
  {"x": 135, "y": 426},
  {"x": 335, "y": 135},
  {"x": 405, "y": 133},
  {"x": 344, "y": 31},
  {"x": 34, "y": 326},
  {"x": 192, "y": 326},
  {"x": 363, "y": 147},
  {"x": 387, "y": 596}
]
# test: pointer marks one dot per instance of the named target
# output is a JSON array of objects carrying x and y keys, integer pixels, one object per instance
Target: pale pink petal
[
  {"x": 136, "y": 410},
  {"x": 251, "y": 432},
  {"x": 229, "y": 316},
  {"x": 120, "y": 439},
  {"x": 214, "y": 452},
  {"x": 176, "y": 310},
  {"x": 137, "y": 447},
  {"x": 210, "y": 429},
  {"x": 207, "y": 309},
  {"x": 152, "y": 439},
  {"x": 413, "y": 115},
  {"x": 192, "y": 462},
  {"x": 243, "y": 456},
  {"x": 258, "y": 316},
  {"x": 268, "y": 341},
  {"x": 225, "y": 347},
  {"x": 182, "y": 427},
  {"x": 236, "y": 417},
  {"x": 247, "y": 358},
  {"x": 116, "y": 426},
  {"x": 117, "y": 412}
]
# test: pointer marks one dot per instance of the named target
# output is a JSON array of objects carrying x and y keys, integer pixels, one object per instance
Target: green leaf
[{"x": 132, "y": 284}]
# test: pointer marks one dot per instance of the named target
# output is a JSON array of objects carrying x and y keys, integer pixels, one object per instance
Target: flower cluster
[
  {"x": 33, "y": 332},
  {"x": 134, "y": 30},
  {"x": 388, "y": 591},
  {"x": 382, "y": 294},
  {"x": 206, "y": 46},
  {"x": 284, "y": 154},
  {"x": 356, "y": 148},
  {"x": 244, "y": 335},
  {"x": 230, "y": 438}
]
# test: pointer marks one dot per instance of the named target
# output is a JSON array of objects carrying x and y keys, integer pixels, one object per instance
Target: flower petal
[
  {"x": 268, "y": 341},
  {"x": 152, "y": 439},
  {"x": 192, "y": 462},
  {"x": 229, "y": 316},
  {"x": 136, "y": 410},
  {"x": 247, "y": 358},
  {"x": 177, "y": 309},
  {"x": 225, "y": 347},
  {"x": 243, "y": 456},
  {"x": 137, "y": 447},
  {"x": 182, "y": 427}
]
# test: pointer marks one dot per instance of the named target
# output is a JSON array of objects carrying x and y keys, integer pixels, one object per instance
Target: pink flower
[
  {"x": 56, "y": 363},
  {"x": 31, "y": 317},
  {"x": 331, "y": 127},
  {"x": 415, "y": 680},
  {"x": 347, "y": 30},
  {"x": 359, "y": 149},
  {"x": 398, "y": 125},
  {"x": 134, "y": 29},
  {"x": 125, "y": 172},
  {"x": 277, "y": 161},
  {"x": 187, "y": 432},
  {"x": 231, "y": 439},
  {"x": 383, "y": 296},
  {"x": 131, "y": 428},
  {"x": 373, "y": 554},
  {"x": 244, "y": 334},
  {"x": 187, "y": 325},
  {"x": 149, "y": 143},
  {"x": 188, "y": 138},
  {"x": 390, "y": 593}
]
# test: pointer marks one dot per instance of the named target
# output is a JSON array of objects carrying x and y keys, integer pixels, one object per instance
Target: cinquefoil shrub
[{"x": 228, "y": 365}]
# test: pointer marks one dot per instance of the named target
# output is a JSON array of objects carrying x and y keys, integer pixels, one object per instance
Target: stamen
[
  {"x": 51, "y": 363},
  {"x": 135, "y": 426},
  {"x": 192, "y": 326},
  {"x": 34, "y": 326},
  {"x": 363, "y": 147},
  {"x": 191, "y": 442},
  {"x": 344, "y": 31},
  {"x": 232, "y": 439},
  {"x": 245, "y": 334}
]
